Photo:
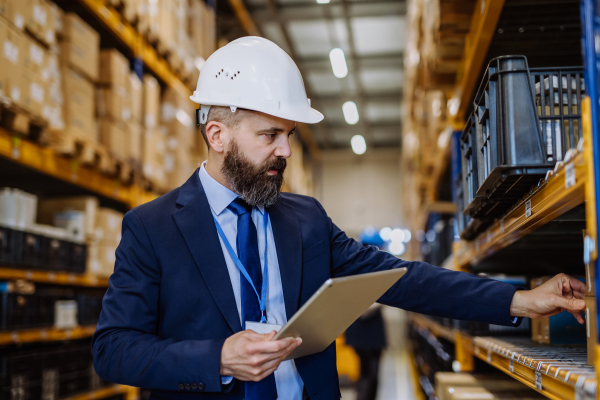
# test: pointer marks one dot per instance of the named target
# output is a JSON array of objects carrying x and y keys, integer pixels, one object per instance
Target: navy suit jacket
[{"x": 170, "y": 304}]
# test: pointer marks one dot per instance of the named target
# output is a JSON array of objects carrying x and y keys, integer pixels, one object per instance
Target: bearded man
[{"x": 198, "y": 266}]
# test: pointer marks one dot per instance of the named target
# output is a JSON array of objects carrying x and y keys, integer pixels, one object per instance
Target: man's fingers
[
  {"x": 267, "y": 347},
  {"x": 578, "y": 316},
  {"x": 571, "y": 304},
  {"x": 577, "y": 285}
]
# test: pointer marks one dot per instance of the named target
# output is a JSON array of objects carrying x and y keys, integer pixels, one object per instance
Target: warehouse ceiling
[{"x": 372, "y": 35}]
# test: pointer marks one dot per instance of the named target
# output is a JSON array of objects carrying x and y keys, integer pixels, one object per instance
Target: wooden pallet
[
  {"x": 87, "y": 152},
  {"x": 18, "y": 120}
]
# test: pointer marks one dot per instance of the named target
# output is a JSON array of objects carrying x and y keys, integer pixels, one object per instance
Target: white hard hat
[{"x": 256, "y": 74}]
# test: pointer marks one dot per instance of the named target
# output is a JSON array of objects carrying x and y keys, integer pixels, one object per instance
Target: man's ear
[{"x": 214, "y": 135}]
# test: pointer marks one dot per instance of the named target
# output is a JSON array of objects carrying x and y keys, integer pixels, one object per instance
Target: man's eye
[{"x": 270, "y": 135}]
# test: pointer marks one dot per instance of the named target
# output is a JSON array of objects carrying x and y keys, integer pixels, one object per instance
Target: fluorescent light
[
  {"x": 385, "y": 233},
  {"x": 338, "y": 62},
  {"x": 350, "y": 112},
  {"x": 397, "y": 248},
  {"x": 323, "y": 1},
  {"x": 407, "y": 236},
  {"x": 359, "y": 146}
]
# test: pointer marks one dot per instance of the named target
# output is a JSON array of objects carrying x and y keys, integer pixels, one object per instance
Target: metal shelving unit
[
  {"x": 562, "y": 375},
  {"x": 56, "y": 278},
  {"x": 45, "y": 335}
]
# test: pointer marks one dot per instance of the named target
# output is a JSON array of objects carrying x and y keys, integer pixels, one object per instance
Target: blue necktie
[{"x": 247, "y": 251}]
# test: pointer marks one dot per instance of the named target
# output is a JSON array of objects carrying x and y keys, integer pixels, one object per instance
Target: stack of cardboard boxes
[
  {"x": 154, "y": 140},
  {"x": 27, "y": 33},
  {"x": 185, "y": 147},
  {"x": 79, "y": 62},
  {"x": 113, "y": 103}
]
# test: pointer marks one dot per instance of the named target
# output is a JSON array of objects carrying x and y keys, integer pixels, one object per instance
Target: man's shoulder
[
  {"x": 164, "y": 204},
  {"x": 300, "y": 202}
]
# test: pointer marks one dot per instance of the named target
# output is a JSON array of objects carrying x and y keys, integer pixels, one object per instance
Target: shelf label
[
  {"x": 528, "y": 209},
  {"x": 538, "y": 380},
  {"x": 511, "y": 365},
  {"x": 569, "y": 175},
  {"x": 502, "y": 225},
  {"x": 489, "y": 356}
]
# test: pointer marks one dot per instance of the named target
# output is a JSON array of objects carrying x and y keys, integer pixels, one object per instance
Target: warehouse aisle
[{"x": 395, "y": 381}]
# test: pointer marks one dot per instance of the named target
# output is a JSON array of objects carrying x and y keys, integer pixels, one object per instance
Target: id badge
[{"x": 262, "y": 327}]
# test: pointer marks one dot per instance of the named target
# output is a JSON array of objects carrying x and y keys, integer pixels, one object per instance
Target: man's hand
[
  {"x": 250, "y": 356},
  {"x": 555, "y": 296}
]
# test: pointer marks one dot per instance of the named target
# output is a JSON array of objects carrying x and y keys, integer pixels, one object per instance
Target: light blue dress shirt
[{"x": 288, "y": 381}]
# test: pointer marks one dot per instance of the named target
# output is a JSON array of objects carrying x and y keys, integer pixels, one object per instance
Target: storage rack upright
[{"x": 568, "y": 191}]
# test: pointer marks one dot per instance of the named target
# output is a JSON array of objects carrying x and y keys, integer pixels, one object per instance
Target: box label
[
  {"x": 39, "y": 15},
  {"x": 11, "y": 52},
  {"x": 36, "y": 54},
  {"x": 528, "y": 208},
  {"x": 37, "y": 92}
]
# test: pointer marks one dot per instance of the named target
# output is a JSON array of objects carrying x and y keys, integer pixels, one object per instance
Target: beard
[{"x": 250, "y": 181}]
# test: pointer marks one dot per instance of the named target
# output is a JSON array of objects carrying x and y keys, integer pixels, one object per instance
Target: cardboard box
[
  {"x": 151, "y": 102},
  {"x": 153, "y": 156},
  {"x": 134, "y": 88},
  {"x": 135, "y": 140},
  {"x": 114, "y": 69},
  {"x": 33, "y": 16},
  {"x": 12, "y": 45},
  {"x": 591, "y": 327},
  {"x": 445, "y": 380},
  {"x": 80, "y": 46},
  {"x": 34, "y": 92},
  {"x": 562, "y": 328},
  {"x": 113, "y": 103},
  {"x": 107, "y": 230},
  {"x": 479, "y": 393},
  {"x": 48, "y": 207},
  {"x": 78, "y": 107},
  {"x": 115, "y": 137},
  {"x": 34, "y": 55},
  {"x": 101, "y": 259}
]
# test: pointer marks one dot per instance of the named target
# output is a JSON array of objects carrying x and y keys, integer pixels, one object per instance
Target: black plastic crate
[
  {"x": 57, "y": 255},
  {"x": 31, "y": 250},
  {"x": 78, "y": 256},
  {"x": 7, "y": 245},
  {"x": 526, "y": 120},
  {"x": 470, "y": 171}
]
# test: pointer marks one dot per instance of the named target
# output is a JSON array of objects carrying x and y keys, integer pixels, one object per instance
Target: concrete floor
[{"x": 395, "y": 379}]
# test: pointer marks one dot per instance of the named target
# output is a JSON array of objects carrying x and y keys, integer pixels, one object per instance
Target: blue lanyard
[{"x": 240, "y": 266}]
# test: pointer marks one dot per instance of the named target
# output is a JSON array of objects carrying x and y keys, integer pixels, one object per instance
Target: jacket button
[
  {"x": 201, "y": 385},
  {"x": 187, "y": 386},
  {"x": 181, "y": 386},
  {"x": 194, "y": 386}
]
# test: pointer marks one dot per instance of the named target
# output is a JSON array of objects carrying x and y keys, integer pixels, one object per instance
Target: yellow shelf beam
[
  {"x": 129, "y": 391},
  {"x": 57, "y": 278},
  {"x": 45, "y": 160},
  {"x": 136, "y": 43},
  {"x": 558, "y": 380},
  {"x": 553, "y": 379},
  {"x": 45, "y": 335},
  {"x": 551, "y": 200},
  {"x": 483, "y": 25}
]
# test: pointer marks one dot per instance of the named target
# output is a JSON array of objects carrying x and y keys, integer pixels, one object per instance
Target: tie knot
[{"x": 240, "y": 207}]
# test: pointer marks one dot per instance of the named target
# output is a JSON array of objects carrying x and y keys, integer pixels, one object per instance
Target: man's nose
[{"x": 283, "y": 149}]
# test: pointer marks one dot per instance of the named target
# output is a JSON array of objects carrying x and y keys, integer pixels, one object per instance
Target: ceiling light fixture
[
  {"x": 338, "y": 62},
  {"x": 323, "y": 1},
  {"x": 359, "y": 146},
  {"x": 350, "y": 112}
]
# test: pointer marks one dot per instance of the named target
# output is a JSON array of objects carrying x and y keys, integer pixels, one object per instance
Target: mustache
[{"x": 278, "y": 164}]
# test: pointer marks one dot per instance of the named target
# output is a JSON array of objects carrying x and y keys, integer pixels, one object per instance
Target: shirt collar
[{"x": 219, "y": 197}]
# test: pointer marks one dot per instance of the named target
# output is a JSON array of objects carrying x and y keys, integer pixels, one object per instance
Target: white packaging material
[
  {"x": 65, "y": 314},
  {"x": 8, "y": 211},
  {"x": 73, "y": 222}
]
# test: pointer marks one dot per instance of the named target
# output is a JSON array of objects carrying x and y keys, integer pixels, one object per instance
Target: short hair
[{"x": 223, "y": 115}]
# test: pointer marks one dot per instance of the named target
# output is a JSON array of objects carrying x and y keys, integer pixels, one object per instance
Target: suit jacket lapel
[
  {"x": 288, "y": 243},
  {"x": 196, "y": 224}
]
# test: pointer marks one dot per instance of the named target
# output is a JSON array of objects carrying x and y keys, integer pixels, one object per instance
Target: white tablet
[{"x": 334, "y": 307}]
